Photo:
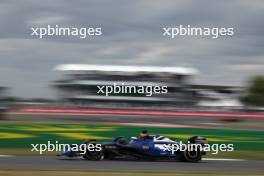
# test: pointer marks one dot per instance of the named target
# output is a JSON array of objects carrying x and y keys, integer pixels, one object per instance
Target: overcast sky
[{"x": 132, "y": 35}]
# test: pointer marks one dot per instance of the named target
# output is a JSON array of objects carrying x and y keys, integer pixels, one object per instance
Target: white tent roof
[{"x": 118, "y": 68}]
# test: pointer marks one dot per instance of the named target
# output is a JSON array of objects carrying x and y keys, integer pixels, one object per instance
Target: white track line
[
  {"x": 222, "y": 159},
  {"x": 6, "y": 155}
]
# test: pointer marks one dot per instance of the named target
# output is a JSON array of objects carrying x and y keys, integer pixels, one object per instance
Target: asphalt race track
[{"x": 54, "y": 163}]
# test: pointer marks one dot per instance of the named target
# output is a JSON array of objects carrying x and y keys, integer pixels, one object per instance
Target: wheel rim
[{"x": 192, "y": 154}]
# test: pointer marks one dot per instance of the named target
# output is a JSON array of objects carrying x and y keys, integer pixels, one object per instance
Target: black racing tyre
[
  {"x": 192, "y": 156},
  {"x": 93, "y": 155}
]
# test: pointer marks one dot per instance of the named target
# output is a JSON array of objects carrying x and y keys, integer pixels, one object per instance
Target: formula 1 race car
[{"x": 153, "y": 148}]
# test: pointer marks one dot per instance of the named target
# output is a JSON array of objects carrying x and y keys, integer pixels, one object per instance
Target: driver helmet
[{"x": 144, "y": 134}]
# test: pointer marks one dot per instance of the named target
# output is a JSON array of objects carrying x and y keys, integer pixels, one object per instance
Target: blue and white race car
[{"x": 155, "y": 147}]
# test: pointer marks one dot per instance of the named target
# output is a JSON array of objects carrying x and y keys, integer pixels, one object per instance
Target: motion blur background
[{"x": 215, "y": 86}]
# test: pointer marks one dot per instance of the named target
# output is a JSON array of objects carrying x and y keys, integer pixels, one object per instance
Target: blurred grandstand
[{"x": 78, "y": 87}]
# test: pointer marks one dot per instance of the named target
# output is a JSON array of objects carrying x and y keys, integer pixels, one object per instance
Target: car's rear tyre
[
  {"x": 93, "y": 155},
  {"x": 192, "y": 156}
]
